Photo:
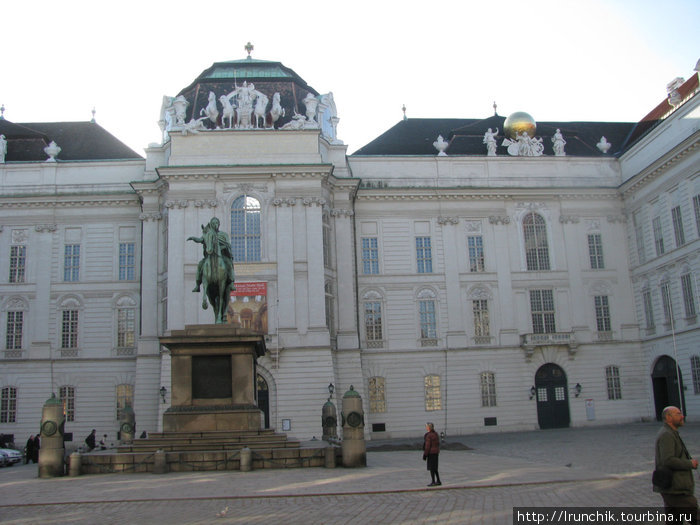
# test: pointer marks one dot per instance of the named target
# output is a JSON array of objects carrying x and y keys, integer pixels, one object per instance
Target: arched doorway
[
  {"x": 263, "y": 394},
  {"x": 665, "y": 382},
  {"x": 552, "y": 397}
]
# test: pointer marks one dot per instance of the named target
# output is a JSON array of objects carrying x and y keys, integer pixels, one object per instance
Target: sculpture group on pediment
[
  {"x": 524, "y": 145},
  {"x": 245, "y": 107}
]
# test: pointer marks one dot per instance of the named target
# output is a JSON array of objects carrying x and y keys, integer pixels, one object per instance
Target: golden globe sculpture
[{"x": 519, "y": 122}]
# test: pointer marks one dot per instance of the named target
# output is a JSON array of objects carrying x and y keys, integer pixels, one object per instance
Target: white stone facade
[{"x": 370, "y": 280}]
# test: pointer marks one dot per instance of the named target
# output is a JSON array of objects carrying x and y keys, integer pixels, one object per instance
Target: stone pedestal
[
  {"x": 212, "y": 387},
  {"x": 353, "y": 447},
  {"x": 52, "y": 448}
]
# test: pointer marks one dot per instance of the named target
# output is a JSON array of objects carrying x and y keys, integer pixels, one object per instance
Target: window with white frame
[
  {"x": 696, "y": 208},
  {"x": 69, "y": 329},
  {"x": 433, "y": 396},
  {"x": 377, "y": 395},
  {"x": 678, "y": 232},
  {"x": 488, "y": 389},
  {"x": 71, "y": 262},
  {"x": 536, "y": 245},
  {"x": 8, "y": 404},
  {"x": 327, "y": 261},
  {"x": 688, "y": 295},
  {"x": 370, "y": 256},
  {"x": 542, "y": 311},
  {"x": 482, "y": 331},
  {"x": 126, "y": 327},
  {"x": 330, "y": 307},
  {"x": 428, "y": 322},
  {"x": 658, "y": 236},
  {"x": 67, "y": 397},
  {"x": 373, "y": 323},
  {"x": 648, "y": 309},
  {"x": 602, "y": 313},
  {"x": 18, "y": 261},
  {"x": 612, "y": 379},
  {"x": 666, "y": 302},
  {"x": 127, "y": 261},
  {"x": 125, "y": 397},
  {"x": 475, "y": 246},
  {"x": 639, "y": 236},
  {"x": 595, "y": 251},
  {"x": 245, "y": 229},
  {"x": 14, "y": 330},
  {"x": 695, "y": 369},
  {"x": 424, "y": 255}
]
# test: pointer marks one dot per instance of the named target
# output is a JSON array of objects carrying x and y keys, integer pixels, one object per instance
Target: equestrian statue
[{"x": 215, "y": 270}]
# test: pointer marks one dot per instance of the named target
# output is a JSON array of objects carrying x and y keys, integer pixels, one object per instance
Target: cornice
[
  {"x": 225, "y": 172},
  {"x": 87, "y": 202},
  {"x": 433, "y": 194}
]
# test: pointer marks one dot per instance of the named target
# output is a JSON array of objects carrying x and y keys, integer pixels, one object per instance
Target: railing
[
  {"x": 13, "y": 354},
  {"x": 530, "y": 342},
  {"x": 429, "y": 341}
]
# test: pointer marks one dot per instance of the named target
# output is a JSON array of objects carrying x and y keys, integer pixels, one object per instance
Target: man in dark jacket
[
  {"x": 90, "y": 440},
  {"x": 679, "y": 498}
]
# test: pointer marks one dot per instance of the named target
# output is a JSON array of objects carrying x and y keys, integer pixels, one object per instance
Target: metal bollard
[
  {"x": 74, "y": 464},
  {"x": 246, "y": 460}
]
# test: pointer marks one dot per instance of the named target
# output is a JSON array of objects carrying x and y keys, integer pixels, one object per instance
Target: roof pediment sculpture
[
  {"x": 490, "y": 141},
  {"x": 558, "y": 144},
  {"x": 441, "y": 146},
  {"x": 524, "y": 145}
]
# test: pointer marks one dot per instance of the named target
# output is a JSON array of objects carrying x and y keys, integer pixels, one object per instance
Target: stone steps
[{"x": 210, "y": 441}]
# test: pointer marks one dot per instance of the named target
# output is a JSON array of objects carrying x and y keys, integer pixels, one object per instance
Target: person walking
[
  {"x": 29, "y": 449},
  {"x": 671, "y": 455},
  {"x": 431, "y": 450},
  {"x": 35, "y": 449},
  {"x": 90, "y": 440}
]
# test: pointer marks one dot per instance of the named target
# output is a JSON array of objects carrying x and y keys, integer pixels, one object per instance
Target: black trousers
[{"x": 685, "y": 505}]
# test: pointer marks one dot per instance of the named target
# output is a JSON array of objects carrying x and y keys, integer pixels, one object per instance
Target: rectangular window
[
  {"x": 488, "y": 389},
  {"x": 326, "y": 242},
  {"x": 8, "y": 405},
  {"x": 127, "y": 261},
  {"x": 602, "y": 313},
  {"x": 373, "y": 323},
  {"x": 13, "y": 337},
  {"x": 639, "y": 236},
  {"x": 428, "y": 325},
  {"x": 17, "y": 263},
  {"x": 71, "y": 262},
  {"x": 126, "y": 327},
  {"x": 476, "y": 253},
  {"x": 424, "y": 255},
  {"x": 433, "y": 398},
  {"x": 69, "y": 329},
  {"x": 612, "y": 377},
  {"x": 370, "y": 256},
  {"x": 125, "y": 397},
  {"x": 542, "y": 311},
  {"x": 648, "y": 309},
  {"x": 688, "y": 295},
  {"x": 658, "y": 236},
  {"x": 678, "y": 226},
  {"x": 695, "y": 369},
  {"x": 595, "y": 251},
  {"x": 480, "y": 307},
  {"x": 67, "y": 396},
  {"x": 666, "y": 302},
  {"x": 696, "y": 208},
  {"x": 377, "y": 397}
]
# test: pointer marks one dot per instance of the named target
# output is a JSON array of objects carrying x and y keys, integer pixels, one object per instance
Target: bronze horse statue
[{"x": 215, "y": 270}]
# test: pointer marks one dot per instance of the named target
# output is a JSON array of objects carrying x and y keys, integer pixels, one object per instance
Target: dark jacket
[
  {"x": 672, "y": 454},
  {"x": 431, "y": 443}
]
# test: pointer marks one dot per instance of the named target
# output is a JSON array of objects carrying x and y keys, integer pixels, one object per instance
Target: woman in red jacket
[{"x": 431, "y": 449}]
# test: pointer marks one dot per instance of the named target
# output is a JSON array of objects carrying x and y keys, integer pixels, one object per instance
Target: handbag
[{"x": 662, "y": 477}]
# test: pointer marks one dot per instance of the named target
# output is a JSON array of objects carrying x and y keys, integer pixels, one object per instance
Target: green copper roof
[{"x": 247, "y": 68}]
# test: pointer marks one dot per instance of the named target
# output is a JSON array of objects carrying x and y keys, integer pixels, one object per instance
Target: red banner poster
[{"x": 248, "y": 307}]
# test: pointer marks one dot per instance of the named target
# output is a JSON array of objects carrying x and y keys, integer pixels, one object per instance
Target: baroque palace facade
[{"x": 484, "y": 274}]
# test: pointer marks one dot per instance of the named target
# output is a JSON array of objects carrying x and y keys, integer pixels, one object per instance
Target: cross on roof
[{"x": 249, "y": 48}]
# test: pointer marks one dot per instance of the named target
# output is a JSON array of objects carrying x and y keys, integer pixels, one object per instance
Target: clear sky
[{"x": 559, "y": 60}]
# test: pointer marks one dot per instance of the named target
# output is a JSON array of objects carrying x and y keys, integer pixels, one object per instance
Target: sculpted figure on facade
[
  {"x": 3, "y": 149},
  {"x": 277, "y": 110},
  {"x": 558, "y": 143},
  {"x": 524, "y": 145},
  {"x": 215, "y": 269},
  {"x": 311, "y": 104},
  {"x": 490, "y": 141},
  {"x": 441, "y": 145},
  {"x": 211, "y": 111},
  {"x": 603, "y": 145},
  {"x": 229, "y": 112},
  {"x": 298, "y": 121},
  {"x": 245, "y": 96},
  {"x": 260, "y": 110},
  {"x": 180, "y": 105}
]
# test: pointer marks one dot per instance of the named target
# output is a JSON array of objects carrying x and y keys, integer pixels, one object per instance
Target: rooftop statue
[
  {"x": 3, "y": 148},
  {"x": 211, "y": 110},
  {"x": 215, "y": 270},
  {"x": 558, "y": 144},
  {"x": 277, "y": 110},
  {"x": 490, "y": 141},
  {"x": 441, "y": 146}
]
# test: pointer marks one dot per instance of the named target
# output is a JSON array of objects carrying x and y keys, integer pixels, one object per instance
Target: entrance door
[
  {"x": 552, "y": 397},
  {"x": 263, "y": 398},
  {"x": 665, "y": 381}
]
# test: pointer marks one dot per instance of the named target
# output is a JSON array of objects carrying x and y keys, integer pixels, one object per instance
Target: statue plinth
[{"x": 212, "y": 383}]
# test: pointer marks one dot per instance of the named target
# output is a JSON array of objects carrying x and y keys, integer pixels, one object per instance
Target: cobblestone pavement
[{"x": 578, "y": 467}]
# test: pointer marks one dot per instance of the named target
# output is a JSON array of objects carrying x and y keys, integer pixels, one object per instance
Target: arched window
[
  {"x": 245, "y": 229},
  {"x": 536, "y": 247}
]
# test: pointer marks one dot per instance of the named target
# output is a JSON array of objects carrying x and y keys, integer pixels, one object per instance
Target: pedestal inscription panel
[{"x": 211, "y": 377}]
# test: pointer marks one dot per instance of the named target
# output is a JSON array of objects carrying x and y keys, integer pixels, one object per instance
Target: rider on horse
[{"x": 217, "y": 243}]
